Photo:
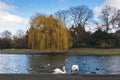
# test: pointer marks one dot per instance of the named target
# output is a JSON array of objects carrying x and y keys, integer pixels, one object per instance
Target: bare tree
[
  {"x": 63, "y": 15},
  {"x": 20, "y": 33},
  {"x": 6, "y": 34},
  {"x": 116, "y": 20},
  {"x": 107, "y": 17},
  {"x": 81, "y": 15},
  {"x": 73, "y": 14}
]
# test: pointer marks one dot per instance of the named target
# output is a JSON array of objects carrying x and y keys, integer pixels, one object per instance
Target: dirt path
[{"x": 57, "y": 77}]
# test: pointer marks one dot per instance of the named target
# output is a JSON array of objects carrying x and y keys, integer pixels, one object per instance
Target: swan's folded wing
[{"x": 57, "y": 71}]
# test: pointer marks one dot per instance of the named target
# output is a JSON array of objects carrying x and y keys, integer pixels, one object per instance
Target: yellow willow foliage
[{"x": 48, "y": 33}]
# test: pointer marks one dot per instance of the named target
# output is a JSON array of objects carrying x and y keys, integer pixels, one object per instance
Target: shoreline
[
  {"x": 81, "y": 52},
  {"x": 57, "y": 77}
]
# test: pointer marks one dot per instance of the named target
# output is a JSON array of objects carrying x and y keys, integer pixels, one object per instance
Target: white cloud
[
  {"x": 113, "y": 3},
  {"x": 10, "y": 21},
  {"x": 11, "y": 18},
  {"x": 4, "y": 6},
  {"x": 97, "y": 11}
]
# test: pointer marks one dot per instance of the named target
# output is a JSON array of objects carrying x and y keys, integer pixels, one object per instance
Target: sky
[{"x": 16, "y": 14}]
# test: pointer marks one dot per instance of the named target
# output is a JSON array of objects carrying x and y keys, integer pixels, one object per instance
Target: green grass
[
  {"x": 83, "y": 48},
  {"x": 10, "y": 51},
  {"x": 73, "y": 51},
  {"x": 94, "y": 51}
]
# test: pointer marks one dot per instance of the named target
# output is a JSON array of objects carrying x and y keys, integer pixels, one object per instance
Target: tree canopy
[{"x": 48, "y": 33}]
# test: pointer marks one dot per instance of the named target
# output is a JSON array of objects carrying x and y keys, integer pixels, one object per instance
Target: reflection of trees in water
[{"x": 46, "y": 63}]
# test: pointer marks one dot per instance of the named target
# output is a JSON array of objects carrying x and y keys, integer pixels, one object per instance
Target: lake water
[{"x": 21, "y": 63}]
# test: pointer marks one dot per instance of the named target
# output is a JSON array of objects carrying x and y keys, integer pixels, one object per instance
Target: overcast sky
[{"x": 15, "y": 14}]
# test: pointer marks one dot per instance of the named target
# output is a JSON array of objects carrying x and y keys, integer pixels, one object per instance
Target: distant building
[
  {"x": 76, "y": 32},
  {"x": 117, "y": 34}
]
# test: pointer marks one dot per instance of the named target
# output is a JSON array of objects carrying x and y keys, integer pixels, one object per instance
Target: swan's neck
[{"x": 64, "y": 70}]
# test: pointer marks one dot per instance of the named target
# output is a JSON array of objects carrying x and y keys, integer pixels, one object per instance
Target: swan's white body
[
  {"x": 75, "y": 68},
  {"x": 59, "y": 71}
]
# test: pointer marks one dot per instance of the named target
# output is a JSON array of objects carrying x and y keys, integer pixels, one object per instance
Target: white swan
[
  {"x": 59, "y": 71},
  {"x": 74, "y": 68}
]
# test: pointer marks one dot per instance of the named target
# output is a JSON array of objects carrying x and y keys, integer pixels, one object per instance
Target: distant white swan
[
  {"x": 59, "y": 71},
  {"x": 74, "y": 68}
]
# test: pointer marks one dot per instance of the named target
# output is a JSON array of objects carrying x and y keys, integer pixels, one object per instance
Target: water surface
[{"x": 38, "y": 63}]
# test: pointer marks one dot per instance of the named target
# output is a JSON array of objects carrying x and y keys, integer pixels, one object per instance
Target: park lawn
[
  {"x": 23, "y": 51},
  {"x": 94, "y": 51},
  {"x": 73, "y": 51}
]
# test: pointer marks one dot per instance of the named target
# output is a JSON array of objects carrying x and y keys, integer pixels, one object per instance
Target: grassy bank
[
  {"x": 94, "y": 51},
  {"x": 10, "y": 51},
  {"x": 73, "y": 51}
]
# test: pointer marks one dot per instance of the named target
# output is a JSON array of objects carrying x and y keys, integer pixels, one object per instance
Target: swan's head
[
  {"x": 75, "y": 68},
  {"x": 64, "y": 67}
]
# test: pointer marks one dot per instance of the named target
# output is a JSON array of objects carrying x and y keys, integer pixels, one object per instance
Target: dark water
[{"x": 21, "y": 63}]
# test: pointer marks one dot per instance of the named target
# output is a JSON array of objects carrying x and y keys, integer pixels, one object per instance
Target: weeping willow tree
[{"x": 48, "y": 33}]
